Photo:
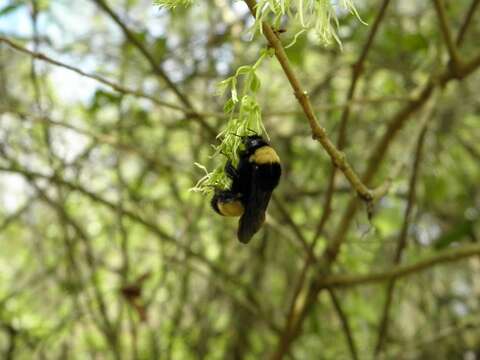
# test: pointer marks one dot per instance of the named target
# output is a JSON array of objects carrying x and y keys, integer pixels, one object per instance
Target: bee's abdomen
[{"x": 269, "y": 176}]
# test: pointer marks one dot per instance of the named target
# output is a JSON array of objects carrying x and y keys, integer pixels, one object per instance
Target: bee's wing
[{"x": 255, "y": 206}]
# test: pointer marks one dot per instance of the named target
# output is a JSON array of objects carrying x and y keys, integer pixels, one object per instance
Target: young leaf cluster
[
  {"x": 172, "y": 4},
  {"x": 245, "y": 118},
  {"x": 317, "y": 15}
]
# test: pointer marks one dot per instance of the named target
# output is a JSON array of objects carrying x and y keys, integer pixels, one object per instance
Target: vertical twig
[
  {"x": 447, "y": 34},
  {"x": 466, "y": 22},
  {"x": 327, "y": 204},
  {"x": 345, "y": 325},
  {"x": 402, "y": 238}
]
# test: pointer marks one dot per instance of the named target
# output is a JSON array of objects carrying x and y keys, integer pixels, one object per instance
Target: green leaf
[
  {"x": 254, "y": 83},
  {"x": 229, "y": 106},
  {"x": 172, "y": 4},
  {"x": 242, "y": 70}
]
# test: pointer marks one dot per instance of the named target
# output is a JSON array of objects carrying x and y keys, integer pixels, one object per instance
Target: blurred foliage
[{"x": 105, "y": 254}]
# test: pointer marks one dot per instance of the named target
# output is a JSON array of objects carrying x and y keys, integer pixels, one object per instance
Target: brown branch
[
  {"x": 318, "y": 132},
  {"x": 466, "y": 69},
  {"x": 357, "y": 70},
  {"x": 466, "y": 22},
  {"x": 327, "y": 203},
  {"x": 107, "y": 325},
  {"x": 377, "y": 155},
  {"x": 455, "y": 254},
  {"x": 447, "y": 34},
  {"x": 402, "y": 238},
  {"x": 296, "y": 229},
  {"x": 345, "y": 325},
  {"x": 157, "y": 69},
  {"x": 380, "y": 150}
]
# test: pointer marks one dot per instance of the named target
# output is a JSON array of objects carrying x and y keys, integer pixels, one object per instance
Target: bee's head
[{"x": 254, "y": 142}]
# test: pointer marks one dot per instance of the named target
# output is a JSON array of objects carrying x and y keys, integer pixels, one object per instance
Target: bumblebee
[{"x": 253, "y": 181}]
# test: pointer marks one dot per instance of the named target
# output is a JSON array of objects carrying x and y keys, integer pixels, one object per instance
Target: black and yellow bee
[{"x": 253, "y": 181}]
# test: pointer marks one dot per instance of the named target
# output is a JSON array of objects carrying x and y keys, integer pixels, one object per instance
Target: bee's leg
[{"x": 231, "y": 171}]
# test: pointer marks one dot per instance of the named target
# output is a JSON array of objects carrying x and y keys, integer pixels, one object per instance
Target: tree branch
[
  {"x": 377, "y": 155},
  {"x": 402, "y": 238},
  {"x": 447, "y": 34},
  {"x": 327, "y": 202},
  {"x": 466, "y": 22},
  {"x": 455, "y": 254},
  {"x": 318, "y": 132},
  {"x": 345, "y": 325}
]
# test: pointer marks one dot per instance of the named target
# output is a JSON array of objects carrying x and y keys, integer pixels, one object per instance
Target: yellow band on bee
[
  {"x": 264, "y": 155},
  {"x": 231, "y": 208}
]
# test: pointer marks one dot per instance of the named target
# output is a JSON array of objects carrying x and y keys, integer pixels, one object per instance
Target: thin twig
[
  {"x": 455, "y": 254},
  {"x": 106, "y": 326},
  {"x": 447, "y": 33},
  {"x": 402, "y": 238},
  {"x": 466, "y": 22},
  {"x": 296, "y": 229},
  {"x": 345, "y": 325}
]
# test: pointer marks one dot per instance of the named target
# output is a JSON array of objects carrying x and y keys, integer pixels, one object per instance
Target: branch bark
[
  {"x": 318, "y": 132},
  {"x": 447, "y": 33},
  {"x": 377, "y": 155},
  {"x": 402, "y": 238},
  {"x": 400, "y": 271}
]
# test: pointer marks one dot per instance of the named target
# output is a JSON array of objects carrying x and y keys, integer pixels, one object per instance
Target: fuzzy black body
[
  {"x": 253, "y": 180},
  {"x": 258, "y": 174}
]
